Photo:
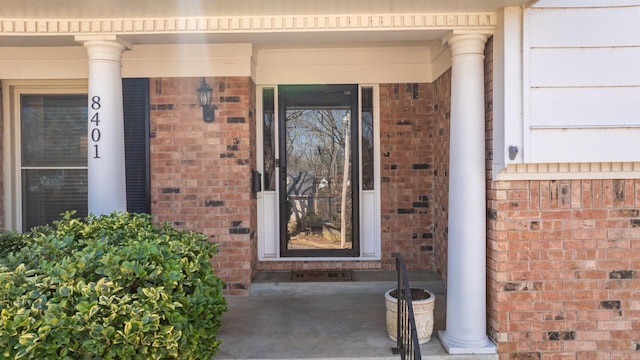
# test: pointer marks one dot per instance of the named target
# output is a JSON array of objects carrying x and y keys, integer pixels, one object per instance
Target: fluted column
[
  {"x": 466, "y": 327},
  {"x": 106, "y": 161}
]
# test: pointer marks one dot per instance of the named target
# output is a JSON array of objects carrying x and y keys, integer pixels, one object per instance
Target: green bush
[
  {"x": 108, "y": 287},
  {"x": 10, "y": 242}
]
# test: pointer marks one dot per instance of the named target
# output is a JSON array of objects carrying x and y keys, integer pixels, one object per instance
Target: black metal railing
[{"x": 407, "y": 344}]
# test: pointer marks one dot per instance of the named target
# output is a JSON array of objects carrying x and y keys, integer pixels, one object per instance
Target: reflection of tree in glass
[
  {"x": 316, "y": 142},
  {"x": 367, "y": 138},
  {"x": 269, "y": 152},
  {"x": 367, "y": 151},
  {"x": 269, "y": 147}
]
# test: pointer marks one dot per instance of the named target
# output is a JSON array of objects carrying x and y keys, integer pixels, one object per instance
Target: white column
[
  {"x": 106, "y": 182},
  {"x": 466, "y": 329}
]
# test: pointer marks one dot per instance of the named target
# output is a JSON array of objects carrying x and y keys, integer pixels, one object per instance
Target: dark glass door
[{"x": 318, "y": 170}]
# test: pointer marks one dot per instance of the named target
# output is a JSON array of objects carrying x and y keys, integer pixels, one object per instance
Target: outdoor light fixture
[{"x": 205, "y": 95}]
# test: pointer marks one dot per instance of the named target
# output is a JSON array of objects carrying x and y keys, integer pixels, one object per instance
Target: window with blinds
[
  {"x": 53, "y": 134},
  {"x": 53, "y": 153}
]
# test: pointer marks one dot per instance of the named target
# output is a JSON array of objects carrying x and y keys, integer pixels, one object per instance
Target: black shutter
[{"x": 135, "y": 93}]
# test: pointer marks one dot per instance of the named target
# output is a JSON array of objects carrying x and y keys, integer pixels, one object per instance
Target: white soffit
[
  {"x": 257, "y": 29},
  {"x": 38, "y": 23},
  {"x": 100, "y": 9}
]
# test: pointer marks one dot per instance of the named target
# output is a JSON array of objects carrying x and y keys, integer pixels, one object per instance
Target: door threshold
[
  {"x": 317, "y": 258},
  {"x": 274, "y": 283}
]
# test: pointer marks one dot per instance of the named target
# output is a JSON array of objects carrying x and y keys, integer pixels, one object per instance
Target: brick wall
[
  {"x": 200, "y": 172},
  {"x": 253, "y": 163},
  {"x": 442, "y": 109},
  {"x": 562, "y": 266},
  {"x": 2, "y": 209},
  {"x": 407, "y": 161}
]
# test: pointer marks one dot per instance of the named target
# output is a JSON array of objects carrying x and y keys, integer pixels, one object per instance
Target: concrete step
[{"x": 279, "y": 282}]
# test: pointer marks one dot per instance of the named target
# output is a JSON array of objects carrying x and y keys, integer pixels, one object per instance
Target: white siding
[
  {"x": 582, "y": 82},
  {"x": 585, "y": 67},
  {"x": 564, "y": 145},
  {"x": 583, "y": 3},
  {"x": 587, "y": 26},
  {"x": 588, "y": 107}
]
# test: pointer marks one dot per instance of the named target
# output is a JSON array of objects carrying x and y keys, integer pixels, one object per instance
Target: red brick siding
[
  {"x": 407, "y": 160},
  {"x": 562, "y": 265},
  {"x": 2, "y": 209},
  {"x": 253, "y": 246},
  {"x": 493, "y": 315},
  {"x": 200, "y": 172},
  {"x": 488, "y": 103},
  {"x": 442, "y": 109}
]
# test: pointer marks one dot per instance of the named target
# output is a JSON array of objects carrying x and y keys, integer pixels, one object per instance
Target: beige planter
[{"x": 422, "y": 311}]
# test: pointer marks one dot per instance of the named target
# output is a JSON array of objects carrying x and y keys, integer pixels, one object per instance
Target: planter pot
[{"x": 422, "y": 311}]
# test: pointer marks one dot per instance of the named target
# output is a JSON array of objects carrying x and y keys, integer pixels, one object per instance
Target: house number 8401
[{"x": 95, "y": 132}]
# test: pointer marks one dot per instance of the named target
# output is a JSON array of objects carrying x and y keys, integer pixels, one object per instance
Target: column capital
[
  {"x": 467, "y": 42},
  {"x": 104, "y": 47},
  {"x": 104, "y": 39}
]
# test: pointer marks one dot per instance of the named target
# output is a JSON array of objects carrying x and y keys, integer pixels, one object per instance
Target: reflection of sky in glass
[{"x": 315, "y": 140}]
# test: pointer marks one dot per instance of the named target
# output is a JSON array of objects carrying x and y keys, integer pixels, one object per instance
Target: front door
[{"x": 318, "y": 170}]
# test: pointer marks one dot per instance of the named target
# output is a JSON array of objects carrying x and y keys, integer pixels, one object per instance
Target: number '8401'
[{"x": 95, "y": 119}]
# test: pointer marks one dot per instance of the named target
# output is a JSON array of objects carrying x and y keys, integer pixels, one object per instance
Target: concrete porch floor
[{"x": 323, "y": 320}]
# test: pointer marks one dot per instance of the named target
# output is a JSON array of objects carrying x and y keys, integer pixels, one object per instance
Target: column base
[{"x": 456, "y": 347}]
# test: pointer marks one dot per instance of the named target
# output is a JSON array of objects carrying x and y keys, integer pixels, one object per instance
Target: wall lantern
[{"x": 205, "y": 95}]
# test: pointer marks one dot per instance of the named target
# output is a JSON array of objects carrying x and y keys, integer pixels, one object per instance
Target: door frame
[{"x": 267, "y": 200}]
